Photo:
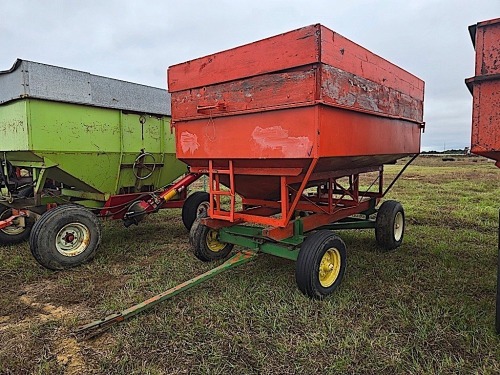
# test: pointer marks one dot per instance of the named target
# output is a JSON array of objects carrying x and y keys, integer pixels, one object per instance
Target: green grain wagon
[{"x": 74, "y": 146}]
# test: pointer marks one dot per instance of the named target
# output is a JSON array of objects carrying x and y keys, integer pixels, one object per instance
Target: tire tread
[
  {"x": 43, "y": 255},
  {"x": 190, "y": 207},
  {"x": 309, "y": 251},
  {"x": 384, "y": 225}
]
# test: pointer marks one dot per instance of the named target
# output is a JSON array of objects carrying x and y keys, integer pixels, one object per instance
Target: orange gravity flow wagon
[{"x": 289, "y": 125}]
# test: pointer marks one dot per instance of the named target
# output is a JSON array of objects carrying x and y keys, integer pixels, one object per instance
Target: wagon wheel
[
  {"x": 205, "y": 243},
  {"x": 18, "y": 232},
  {"x": 321, "y": 264},
  {"x": 65, "y": 237},
  {"x": 390, "y": 225},
  {"x": 142, "y": 167},
  {"x": 196, "y": 205}
]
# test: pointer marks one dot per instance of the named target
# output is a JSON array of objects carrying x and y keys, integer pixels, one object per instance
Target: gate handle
[{"x": 209, "y": 108}]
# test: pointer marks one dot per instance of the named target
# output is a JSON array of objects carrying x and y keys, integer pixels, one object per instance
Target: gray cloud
[{"x": 137, "y": 41}]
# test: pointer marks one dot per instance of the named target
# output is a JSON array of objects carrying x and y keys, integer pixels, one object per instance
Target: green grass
[{"x": 427, "y": 307}]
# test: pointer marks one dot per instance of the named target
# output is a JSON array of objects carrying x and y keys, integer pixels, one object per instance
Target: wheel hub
[
  {"x": 72, "y": 239},
  {"x": 329, "y": 267},
  {"x": 213, "y": 242},
  {"x": 202, "y": 210}
]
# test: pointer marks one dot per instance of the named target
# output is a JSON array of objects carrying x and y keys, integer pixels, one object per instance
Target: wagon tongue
[{"x": 96, "y": 327}]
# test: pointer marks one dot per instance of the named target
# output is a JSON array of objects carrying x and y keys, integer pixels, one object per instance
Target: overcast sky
[{"x": 137, "y": 40}]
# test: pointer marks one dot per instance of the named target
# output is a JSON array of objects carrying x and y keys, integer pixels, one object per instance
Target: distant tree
[{"x": 456, "y": 151}]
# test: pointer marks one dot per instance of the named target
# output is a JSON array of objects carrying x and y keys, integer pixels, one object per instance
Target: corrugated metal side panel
[{"x": 40, "y": 81}]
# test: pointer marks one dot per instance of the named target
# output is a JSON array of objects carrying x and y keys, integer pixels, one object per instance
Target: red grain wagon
[
  {"x": 485, "y": 89},
  {"x": 289, "y": 124}
]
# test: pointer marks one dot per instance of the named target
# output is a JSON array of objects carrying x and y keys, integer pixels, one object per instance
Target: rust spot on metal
[{"x": 86, "y": 241}]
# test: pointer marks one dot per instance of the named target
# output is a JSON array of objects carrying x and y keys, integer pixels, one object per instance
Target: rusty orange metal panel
[
  {"x": 290, "y": 138},
  {"x": 485, "y": 88},
  {"x": 485, "y": 136},
  {"x": 485, "y": 37},
  {"x": 276, "y": 134},
  {"x": 308, "y": 85},
  {"x": 307, "y": 45},
  {"x": 344, "y": 54},
  {"x": 312, "y": 65},
  {"x": 345, "y": 133},
  {"x": 248, "y": 94},
  {"x": 294, "y": 48},
  {"x": 295, "y": 133},
  {"x": 347, "y": 90}
]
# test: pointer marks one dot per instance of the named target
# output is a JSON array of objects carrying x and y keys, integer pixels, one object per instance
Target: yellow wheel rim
[
  {"x": 329, "y": 267},
  {"x": 212, "y": 242}
]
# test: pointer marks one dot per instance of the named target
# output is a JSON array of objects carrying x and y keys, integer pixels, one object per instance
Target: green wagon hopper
[{"x": 88, "y": 145}]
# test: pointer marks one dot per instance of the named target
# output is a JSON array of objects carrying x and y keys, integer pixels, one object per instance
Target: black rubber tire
[
  {"x": 46, "y": 229},
  {"x": 390, "y": 225},
  {"x": 9, "y": 238},
  {"x": 199, "y": 236},
  {"x": 307, "y": 269},
  {"x": 195, "y": 205}
]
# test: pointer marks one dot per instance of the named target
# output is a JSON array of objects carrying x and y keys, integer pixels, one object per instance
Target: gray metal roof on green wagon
[{"x": 28, "y": 79}]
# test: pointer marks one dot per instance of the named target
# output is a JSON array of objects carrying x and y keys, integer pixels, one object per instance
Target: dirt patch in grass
[
  {"x": 66, "y": 350},
  {"x": 68, "y": 354},
  {"x": 45, "y": 311}
]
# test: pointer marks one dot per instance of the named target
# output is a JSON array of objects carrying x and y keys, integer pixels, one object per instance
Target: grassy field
[{"x": 427, "y": 307}]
